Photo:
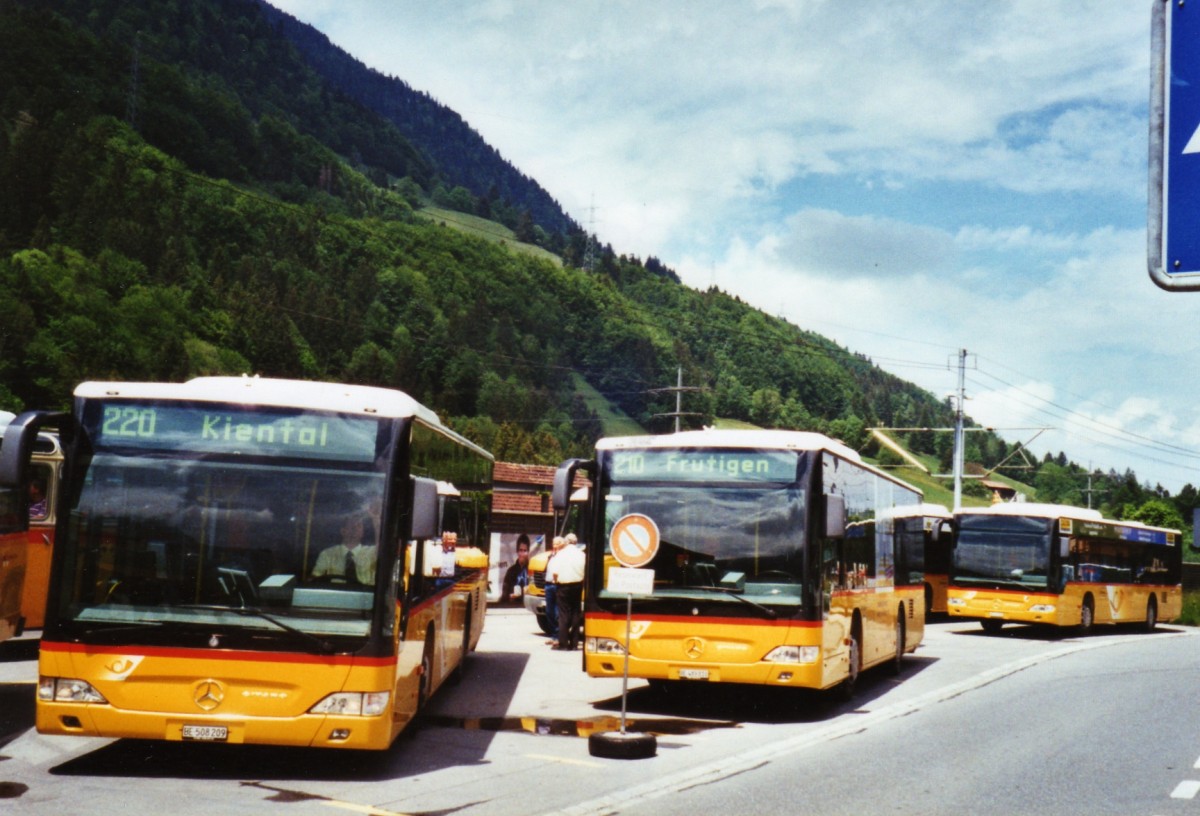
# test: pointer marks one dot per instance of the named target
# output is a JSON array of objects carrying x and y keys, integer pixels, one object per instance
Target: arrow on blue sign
[
  {"x": 1193, "y": 145},
  {"x": 1174, "y": 220}
]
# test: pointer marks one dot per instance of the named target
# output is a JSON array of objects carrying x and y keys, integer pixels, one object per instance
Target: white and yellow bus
[
  {"x": 45, "y": 468},
  {"x": 776, "y": 560},
  {"x": 186, "y": 601},
  {"x": 928, "y": 537},
  {"x": 1062, "y": 566},
  {"x": 13, "y": 512}
]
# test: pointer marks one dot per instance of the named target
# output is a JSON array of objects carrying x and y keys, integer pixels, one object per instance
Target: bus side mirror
[
  {"x": 835, "y": 516},
  {"x": 424, "y": 508},
  {"x": 19, "y": 438},
  {"x": 564, "y": 480}
]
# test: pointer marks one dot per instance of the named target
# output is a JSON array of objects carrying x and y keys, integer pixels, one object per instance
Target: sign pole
[
  {"x": 628, "y": 581},
  {"x": 625, "y": 679}
]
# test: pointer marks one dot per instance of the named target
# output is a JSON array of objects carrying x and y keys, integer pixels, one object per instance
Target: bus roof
[
  {"x": 1053, "y": 511},
  {"x": 245, "y": 390},
  {"x": 920, "y": 510},
  {"x": 762, "y": 439},
  {"x": 733, "y": 438},
  {"x": 1035, "y": 509}
]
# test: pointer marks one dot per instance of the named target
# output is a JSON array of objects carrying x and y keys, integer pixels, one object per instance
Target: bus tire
[
  {"x": 897, "y": 662},
  {"x": 1087, "y": 616},
  {"x": 1151, "y": 614},
  {"x": 425, "y": 689},
  {"x": 848, "y": 686},
  {"x": 545, "y": 625},
  {"x": 991, "y": 625},
  {"x": 460, "y": 670}
]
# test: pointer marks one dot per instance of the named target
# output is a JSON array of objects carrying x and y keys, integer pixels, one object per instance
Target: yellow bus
[
  {"x": 247, "y": 560},
  {"x": 45, "y": 467},
  {"x": 1062, "y": 566},
  {"x": 928, "y": 538},
  {"x": 13, "y": 512},
  {"x": 776, "y": 561}
]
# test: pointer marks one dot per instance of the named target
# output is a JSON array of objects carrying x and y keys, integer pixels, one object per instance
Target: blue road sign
[{"x": 1174, "y": 222}]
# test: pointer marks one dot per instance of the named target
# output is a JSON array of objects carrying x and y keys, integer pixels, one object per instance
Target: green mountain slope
[{"x": 181, "y": 193}]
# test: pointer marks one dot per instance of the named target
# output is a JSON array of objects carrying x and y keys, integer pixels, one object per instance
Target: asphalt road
[
  {"x": 509, "y": 739},
  {"x": 1112, "y": 729}
]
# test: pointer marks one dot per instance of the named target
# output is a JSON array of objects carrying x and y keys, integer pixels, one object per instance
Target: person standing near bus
[
  {"x": 566, "y": 567},
  {"x": 556, "y": 544}
]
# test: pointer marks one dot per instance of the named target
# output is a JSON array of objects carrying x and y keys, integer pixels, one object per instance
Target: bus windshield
[
  {"x": 729, "y": 532},
  {"x": 258, "y": 528},
  {"x": 1003, "y": 551}
]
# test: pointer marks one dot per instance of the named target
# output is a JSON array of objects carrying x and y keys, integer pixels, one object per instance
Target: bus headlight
[
  {"x": 67, "y": 690},
  {"x": 604, "y": 646},
  {"x": 353, "y": 704},
  {"x": 956, "y": 602},
  {"x": 1042, "y": 608},
  {"x": 794, "y": 654}
]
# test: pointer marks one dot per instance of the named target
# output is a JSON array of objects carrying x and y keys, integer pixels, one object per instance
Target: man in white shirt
[
  {"x": 350, "y": 562},
  {"x": 566, "y": 569}
]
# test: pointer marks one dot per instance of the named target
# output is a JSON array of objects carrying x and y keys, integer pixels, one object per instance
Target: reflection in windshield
[
  {"x": 1003, "y": 550},
  {"x": 715, "y": 538},
  {"x": 192, "y": 541}
]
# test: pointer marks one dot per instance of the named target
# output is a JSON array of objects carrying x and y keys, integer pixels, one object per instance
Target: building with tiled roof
[{"x": 521, "y": 499}]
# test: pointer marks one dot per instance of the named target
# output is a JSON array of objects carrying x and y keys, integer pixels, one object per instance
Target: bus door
[
  {"x": 44, "y": 473},
  {"x": 19, "y": 506},
  {"x": 12, "y": 563}
]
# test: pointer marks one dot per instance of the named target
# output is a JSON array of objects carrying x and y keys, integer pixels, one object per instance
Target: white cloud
[{"x": 711, "y": 136}]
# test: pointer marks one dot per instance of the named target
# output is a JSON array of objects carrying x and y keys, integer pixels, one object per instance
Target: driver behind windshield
[{"x": 353, "y": 560}]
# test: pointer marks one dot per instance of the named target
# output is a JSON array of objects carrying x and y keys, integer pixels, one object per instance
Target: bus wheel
[
  {"x": 897, "y": 663},
  {"x": 546, "y": 626},
  {"x": 456, "y": 676},
  {"x": 1087, "y": 616},
  {"x": 1151, "y": 614},
  {"x": 425, "y": 690},
  {"x": 847, "y": 687},
  {"x": 991, "y": 626}
]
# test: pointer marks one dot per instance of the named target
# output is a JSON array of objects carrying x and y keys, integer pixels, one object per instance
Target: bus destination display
[
  {"x": 220, "y": 429},
  {"x": 705, "y": 466}
]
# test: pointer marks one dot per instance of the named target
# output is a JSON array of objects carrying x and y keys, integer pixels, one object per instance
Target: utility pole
[
  {"x": 959, "y": 451},
  {"x": 679, "y": 388},
  {"x": 589, "y": 252},
  {"x": 1090, "y": 490}
]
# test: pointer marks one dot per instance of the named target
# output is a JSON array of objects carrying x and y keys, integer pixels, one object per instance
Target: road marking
[
  {"x": 566, "y": 761},
  {"x": 1187, "y": 789},
  {"x": 371, "y": 811},
  {"x": 1197, "y": 765}
]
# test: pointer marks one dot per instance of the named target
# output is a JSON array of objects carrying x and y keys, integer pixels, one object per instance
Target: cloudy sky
[{"x": 909, "y": 179}]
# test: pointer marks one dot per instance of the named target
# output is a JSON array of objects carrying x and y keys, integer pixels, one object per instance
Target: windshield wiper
[
  {"x": 736, "y": 594},
  {"x": 140, "y": 627},
  {"x": 1001, "y": 583},
  {"x": 323, "y": 646}
]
